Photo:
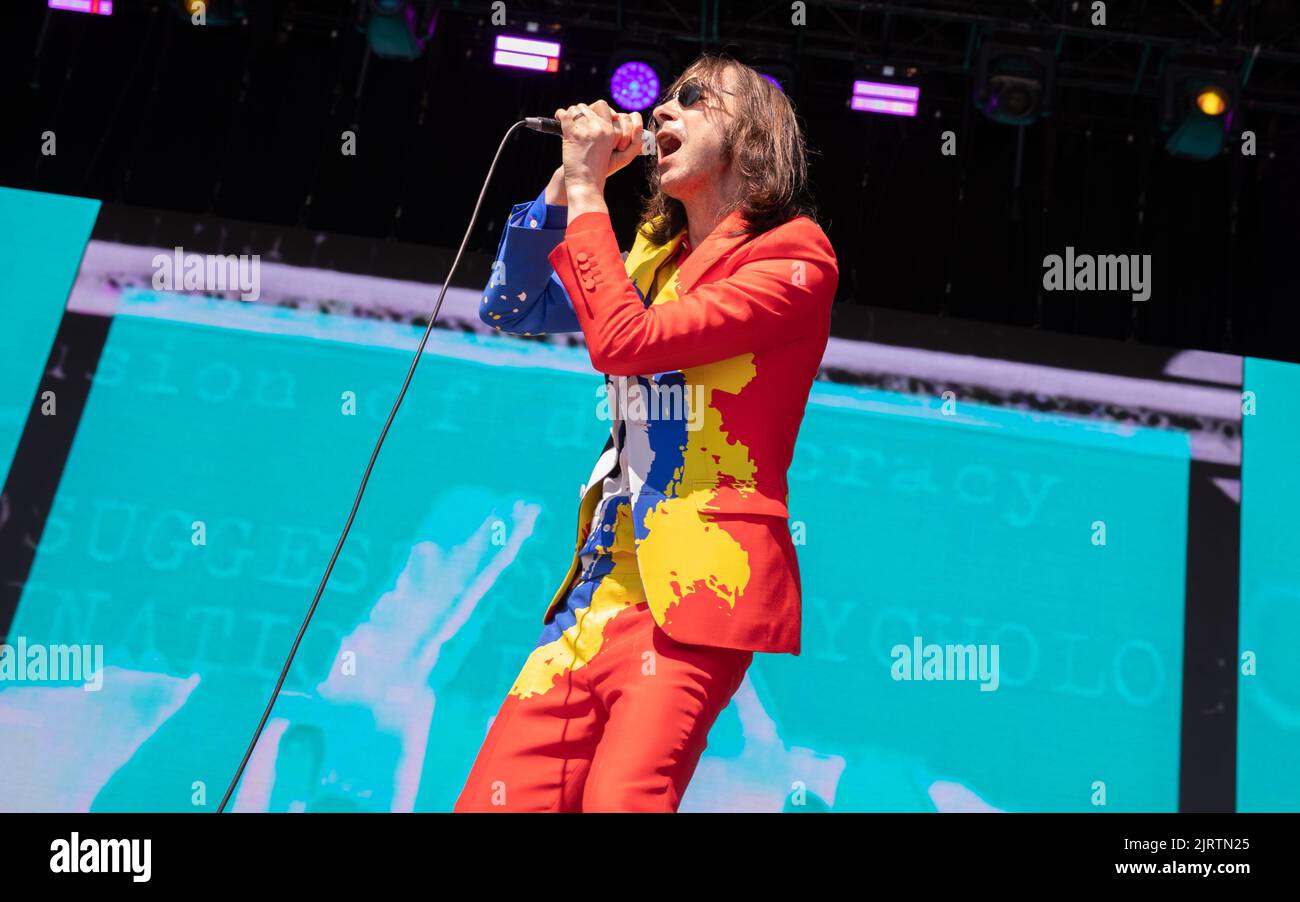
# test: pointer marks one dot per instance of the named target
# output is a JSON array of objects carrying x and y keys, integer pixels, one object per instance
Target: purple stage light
[
  {"x": 885, "y": 89},
  {"x": 882, "y": 97},
  {"x": 880, "y": 105},
  {"x": 634, "y": 85},
  {"x": 526, "y": 53},
  {"x": 776, "y": 84},
  {"x": 98, "y": 7}
]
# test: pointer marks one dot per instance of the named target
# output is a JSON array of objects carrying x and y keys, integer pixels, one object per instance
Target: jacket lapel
[
  {"x": 644, "y": 259},
  {"x": 712, "y": 250}
]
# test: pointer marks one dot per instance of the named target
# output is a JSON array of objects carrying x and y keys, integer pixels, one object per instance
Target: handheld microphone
[{"x": 550, "y": 126}]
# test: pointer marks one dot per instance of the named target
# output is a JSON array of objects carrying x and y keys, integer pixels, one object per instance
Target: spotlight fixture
[
  {"x": 1197, "y": 111},
  {"x": 97, "y": 7},
  {"x": 637, "y": 76},
  {"x": 399, "y": 29},
  {"x": 1212, "y": 101},
  {"x": 885, "y": 97},
  {"x": 1014, "y": 84},
  {"x": 634, "y": 85},
  {"x": 526, "y": 53}
]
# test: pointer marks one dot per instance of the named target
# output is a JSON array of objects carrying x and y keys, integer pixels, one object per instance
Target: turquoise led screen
[{"x": 216, "y": 451}]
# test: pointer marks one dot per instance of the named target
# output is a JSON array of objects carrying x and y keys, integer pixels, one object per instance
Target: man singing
[{"x": 709, "y": 334}]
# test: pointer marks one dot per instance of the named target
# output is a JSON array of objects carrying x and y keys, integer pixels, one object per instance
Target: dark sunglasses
[{"x": 688, "y": 94}]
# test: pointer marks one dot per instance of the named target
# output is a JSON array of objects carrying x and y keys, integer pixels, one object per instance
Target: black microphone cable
[{"x": 284, "y": 672}]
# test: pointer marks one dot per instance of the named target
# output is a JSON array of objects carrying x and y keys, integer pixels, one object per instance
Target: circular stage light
[
  {"x": 1212, "y": 102},
  {"x": 634, "y": 85}
]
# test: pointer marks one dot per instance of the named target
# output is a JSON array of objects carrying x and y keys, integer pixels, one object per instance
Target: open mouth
[{"x": 668, "y": 143}]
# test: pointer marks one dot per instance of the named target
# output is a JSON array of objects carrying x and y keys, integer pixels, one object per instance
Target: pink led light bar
[
  {"x": 882, "y": 97},
  {"x": 527, "y": 53},
  {"x": 98, "y": 7}
]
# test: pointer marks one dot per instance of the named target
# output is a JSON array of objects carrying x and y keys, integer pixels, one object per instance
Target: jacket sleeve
[
  {"x": 781, "y": 292},
  {"x": 523, "y": 294}
]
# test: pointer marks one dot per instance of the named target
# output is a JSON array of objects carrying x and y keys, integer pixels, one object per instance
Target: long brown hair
[{"x": 764, "y": 140}]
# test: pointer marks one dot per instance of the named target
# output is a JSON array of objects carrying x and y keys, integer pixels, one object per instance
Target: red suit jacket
[{"x": 745, "y": 330}]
